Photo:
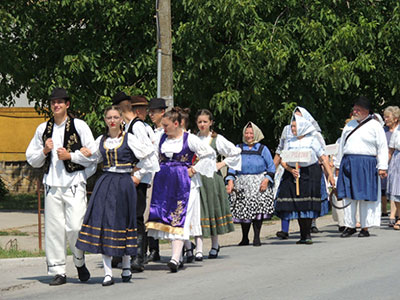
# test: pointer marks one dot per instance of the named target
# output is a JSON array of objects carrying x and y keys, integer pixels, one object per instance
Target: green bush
[{"x": 3, "y": 189}]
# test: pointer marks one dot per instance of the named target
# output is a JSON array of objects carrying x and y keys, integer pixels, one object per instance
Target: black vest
[{"x": 72, "y": 142}]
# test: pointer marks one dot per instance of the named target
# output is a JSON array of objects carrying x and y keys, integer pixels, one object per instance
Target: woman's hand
[
  {"x": 331, "y": 180},
  {"x": 86, "y": 152},
  {"x": 220, "y": 165},
  {"x": 135, "y": 180},
  {"x": 264, "y": 185},
  {"x": 191, "y": 172},
  {"x": 229, "y": 187},
  {"x": 295, "y": 173}
]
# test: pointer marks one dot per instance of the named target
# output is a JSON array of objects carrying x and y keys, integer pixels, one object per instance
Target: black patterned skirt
[
  {"x": 109, "y": 226},
  {"x": 247, "y": 202}
]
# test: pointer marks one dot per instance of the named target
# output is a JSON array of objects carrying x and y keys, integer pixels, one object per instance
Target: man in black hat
[
  {"x": 56, "y": 147},
  {"x": 362, "y": 159},
  {"x": 156, "y": 110}
]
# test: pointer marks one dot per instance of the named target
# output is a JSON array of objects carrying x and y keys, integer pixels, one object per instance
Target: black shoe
[
  {"x": 137, "y": 265},
  {"x": 198, "y": 256},
  {"x": 126, "y": 278},
  {"x": 282, "y": 235},
  {"x": 301, "y": 242},
  {"x": 363, "y": 233},
  {"x": 348, "y": 232},
  {"x": 108, "y": 282},
  {"x": 190, "y": 258},
  {"x": 212, "y": 256},
  {"x": 154, "y": 256},
  {"x": 173, "y": 265},
  {"x": 385, "y": 214},
  {"x": 83, "y": 273},
  {"x": 58, "y": 280},
  {"x": 342, "y": 228},
  {"x": 257, "y": 242},
  {"x": 314, "y": 229},
  {"x": 244, "y": 242}
]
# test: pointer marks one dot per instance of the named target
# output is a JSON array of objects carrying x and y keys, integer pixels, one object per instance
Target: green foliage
[
  {"x": 243, "y": 59},
  {"x": 3, "y": 190},
  {"x": 21, "y": 202},
  {"x": 15, "y": 253}
]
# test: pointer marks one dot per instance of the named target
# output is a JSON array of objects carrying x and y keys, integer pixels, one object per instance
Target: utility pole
[{"x": 164, "y": 52}]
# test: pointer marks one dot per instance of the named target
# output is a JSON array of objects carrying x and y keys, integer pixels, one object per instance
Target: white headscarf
[
  {"x": 303, "y": 126},
  {"x": 378, "y": 117},
  {"x": 308, "y": 116},
  {"x": 258, "y": 135}
]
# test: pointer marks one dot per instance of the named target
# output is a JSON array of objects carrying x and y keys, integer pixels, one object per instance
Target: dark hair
[
  {"x": 206, "y": 112},
  {"x": 174, "y": 115},
  {"x": 112, "y": 107},
  {"x": 184, "y": 112}
]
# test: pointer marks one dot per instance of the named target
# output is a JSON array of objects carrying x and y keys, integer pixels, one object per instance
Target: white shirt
[
  {"x": 58, "y": 175},
  {"x": 309, "y": 142},
  {"x": 148, "y": 162},
  {"x": 206, "y": 164},
  {"x": 232, "y": 159},
  {"x": 144, "y": 137},
  {"x": 370, "y": 139}
]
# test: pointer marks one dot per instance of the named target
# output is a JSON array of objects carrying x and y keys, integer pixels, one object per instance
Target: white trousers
[
  {"x": 64, "y": 212},
  {"x": 369, "y": 211}
]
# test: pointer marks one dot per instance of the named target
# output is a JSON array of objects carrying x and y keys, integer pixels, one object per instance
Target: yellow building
[{"x": 18, "y": 125}]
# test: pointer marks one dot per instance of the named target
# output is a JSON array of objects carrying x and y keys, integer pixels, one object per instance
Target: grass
[
  {"x": 15, "y": 253},
  {"x": 20, "y": 202},
  {"x": 13, "y": 233}
]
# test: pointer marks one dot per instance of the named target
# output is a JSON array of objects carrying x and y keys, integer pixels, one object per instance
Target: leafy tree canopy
[{"x": 243, "y": 59}]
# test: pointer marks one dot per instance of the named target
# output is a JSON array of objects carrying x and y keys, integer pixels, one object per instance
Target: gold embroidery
[
  {"x": 164, "y": 227},
  {"x": 105, "y": 229},
  {"x": 184, "y": 158},
  {"x": 176, "y": 215}
]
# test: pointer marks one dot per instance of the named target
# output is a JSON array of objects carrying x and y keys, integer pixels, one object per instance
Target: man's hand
[
  {"x": 48, "y": 146},
  {"x": 63, "y": 154},
  {"x": 86, "y": 152}
]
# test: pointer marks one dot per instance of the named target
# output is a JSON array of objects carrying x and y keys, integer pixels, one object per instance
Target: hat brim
[
  {"x": 64, "y": 98},
  {"x": 157, "y": 107}
]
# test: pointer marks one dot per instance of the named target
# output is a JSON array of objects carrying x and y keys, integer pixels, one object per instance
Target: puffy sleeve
[
  {"x": 394, "y": 142},
  {"x": 34, "y": 153},
  {"x": 233, "y": 159},
  {"x": 382, "y": 149},
  {"x": 87, "y": 141},
  {"x": 207, "y": 157},
  {"x": 317, "y": 146},
  {"x": 269, "y": 164},
  {"x": 145, "y": 152}
]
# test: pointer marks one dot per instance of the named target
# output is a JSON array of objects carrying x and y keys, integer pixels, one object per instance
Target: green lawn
[{"x": 20, "y": 202}]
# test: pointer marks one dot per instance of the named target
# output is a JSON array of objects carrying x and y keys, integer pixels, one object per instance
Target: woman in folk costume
[
  {"x": 393, "y": 181},
  {"x": 216, "y": 217},
  {"x": 251, "y": 193},
  {"x": 176, "y": 196},
  {"x": 109, "y": 226},
  {"x": 307, "y": 205}
]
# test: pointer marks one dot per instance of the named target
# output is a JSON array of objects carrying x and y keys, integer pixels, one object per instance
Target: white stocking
[
  {"x": 126, "y": 264},
  {"x": 177, "y": 246},
  {"x": 107, "y": 265}
]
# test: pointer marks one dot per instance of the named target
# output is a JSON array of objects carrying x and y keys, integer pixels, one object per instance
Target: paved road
[{"x": 332, "y": 268}]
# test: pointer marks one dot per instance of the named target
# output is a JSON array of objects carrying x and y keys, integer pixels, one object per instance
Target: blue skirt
[
  {"x": 358, "y": 178},
  {"x": 109, "y": 226}
]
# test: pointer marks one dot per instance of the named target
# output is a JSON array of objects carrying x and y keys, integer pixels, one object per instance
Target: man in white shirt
[
  {"x": 56, "y": 147},
  {"x": 362, "y": 159}
]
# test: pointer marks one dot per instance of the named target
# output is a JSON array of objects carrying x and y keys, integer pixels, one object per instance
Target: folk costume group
[{"x": 183, "y": 173}]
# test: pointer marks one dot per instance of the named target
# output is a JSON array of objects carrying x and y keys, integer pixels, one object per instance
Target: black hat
[
  {"x": 157, "y": 103},
  {"x": 363, "y": 102},
  {"x": 59, "y": 93},
  {"x": 119, "y": 97}
]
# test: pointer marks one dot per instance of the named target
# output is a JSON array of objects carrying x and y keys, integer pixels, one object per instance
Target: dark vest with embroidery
[
  {"x": 72, "y": 142},
  {"x": 121, "y": 157}
]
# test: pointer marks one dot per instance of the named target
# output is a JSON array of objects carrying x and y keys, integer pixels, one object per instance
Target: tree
[{"x": 244, "y": 59}]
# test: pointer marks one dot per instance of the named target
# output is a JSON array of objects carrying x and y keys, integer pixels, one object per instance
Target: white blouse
[
  {"x": 206, "y": 164},
  {"x": 232, "y": 159},
  {"x": 309, "y": 142},
  {"x": 370, "y": 139},
  {"x": 148, "y": 162},
  {"x": 395, "y": 139},
  {"x": 58, "y": 175}
]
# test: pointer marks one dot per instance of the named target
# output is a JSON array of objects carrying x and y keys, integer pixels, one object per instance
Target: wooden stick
[{"x": 297, "y": 181}]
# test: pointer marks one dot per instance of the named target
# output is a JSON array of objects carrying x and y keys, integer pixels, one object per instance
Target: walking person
[
  {"x": 109, "y": 226},
  {"x": 216, "y": 217},
  {"x": 362, "y": 159},
  {"x": 56, "y": 147},
  {"x": 250, "y": 190},
  {"x": 308, "y": 204},
  {"x": 176, "y": 186}
]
